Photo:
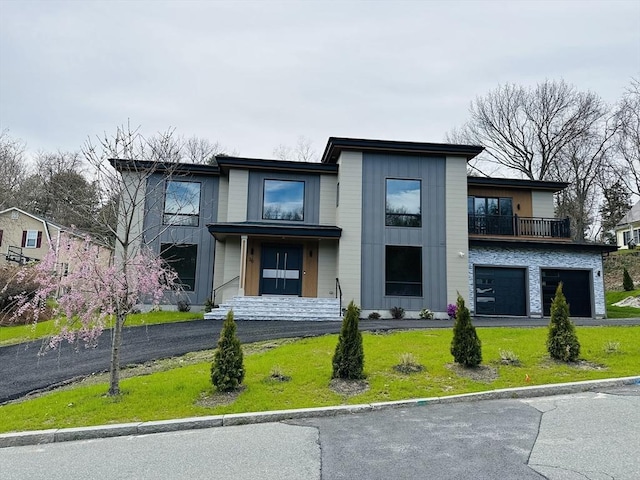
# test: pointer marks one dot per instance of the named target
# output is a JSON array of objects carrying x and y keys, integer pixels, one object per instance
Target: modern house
[
  {"x": 383, "y": 223},
  {"x": 628, "y": 228}
]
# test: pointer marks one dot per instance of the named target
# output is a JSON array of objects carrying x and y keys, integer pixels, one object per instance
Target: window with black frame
[
  {"x": 402, "y": 203},
  {"x": 490, "y": 215},
  {"x": 183, "y": 259},
  {"x": 283, "y": 200},
  {"x": 182, "y": 203},
  {"x": 403, "y": 271}
]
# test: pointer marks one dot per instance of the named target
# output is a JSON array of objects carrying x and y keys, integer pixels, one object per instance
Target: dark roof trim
[
  {"x": 337, "y": 145},
  {"x": 274, "y": 165},
  {"x": 541, "y": 244},
  {"x": 516, "y": 183},
  {"x": 221, "y": 230},
  {"x": 163, "y": 167}
]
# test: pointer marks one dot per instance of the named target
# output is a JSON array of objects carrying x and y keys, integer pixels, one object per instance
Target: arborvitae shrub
[
  {"x": 227, "y": 371},
  {"x": 562, "y": 341},
  {"x": 627, "y": 282},
  {"x": 348, "y": 359},
  {"x": 466, "y": 347}
]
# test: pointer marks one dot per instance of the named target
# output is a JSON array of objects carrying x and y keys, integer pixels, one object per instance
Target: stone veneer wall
[{"x": 534, "y": 260}]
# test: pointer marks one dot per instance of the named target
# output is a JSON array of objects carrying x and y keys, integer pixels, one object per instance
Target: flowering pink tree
[{"x": 88, "y": 288}]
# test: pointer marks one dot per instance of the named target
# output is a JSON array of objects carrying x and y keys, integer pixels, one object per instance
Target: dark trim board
[{"x": 221, "y": 230}]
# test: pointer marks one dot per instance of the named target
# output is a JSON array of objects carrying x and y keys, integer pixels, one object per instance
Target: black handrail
[
  {"x": 517, "y": 226},
  {"x": 339, "y": 289},
  {"x": 213, "y": 299}
]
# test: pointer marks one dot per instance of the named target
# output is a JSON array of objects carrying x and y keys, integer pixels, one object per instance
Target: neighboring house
[
  {"x": 383, "y": 223},
  {"x": 628, "y": 228},
  {"x": 25, "y": 238}
]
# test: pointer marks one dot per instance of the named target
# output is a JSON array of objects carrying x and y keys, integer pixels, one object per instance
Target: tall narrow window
[
  {"x": 30, "y": 238},
  {"x": 403, "y": 200},
  {"x": 183, "y": 259},
  {"x": 403, "y": 271},
  {"x": 283, "y": 200},
  {"x": 182, "y": 204}
]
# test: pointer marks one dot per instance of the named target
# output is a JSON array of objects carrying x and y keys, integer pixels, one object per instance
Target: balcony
[{"x": 515, "y": 226}]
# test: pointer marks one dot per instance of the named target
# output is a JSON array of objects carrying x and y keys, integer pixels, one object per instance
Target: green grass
[
  {"x": 621, "y": 312},
  {"x": 24, "y": 333},
  {"x": 177, "y": 392}
]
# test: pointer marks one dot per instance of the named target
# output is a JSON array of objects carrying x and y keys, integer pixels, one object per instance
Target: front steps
[{"x": 279, "y": 308}]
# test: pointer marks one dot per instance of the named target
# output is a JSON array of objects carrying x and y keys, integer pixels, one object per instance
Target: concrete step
[{"x": 279, "y": 308}]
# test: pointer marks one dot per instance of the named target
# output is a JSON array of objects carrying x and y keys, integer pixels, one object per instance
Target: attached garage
[
  {"x": 576, "y": 286},
  {"x": 500, "y": 291}
]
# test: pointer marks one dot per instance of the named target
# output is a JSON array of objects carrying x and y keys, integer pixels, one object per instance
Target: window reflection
[
  {"x": 283, "y": 200},
  {"x": 403, "y": 203}
]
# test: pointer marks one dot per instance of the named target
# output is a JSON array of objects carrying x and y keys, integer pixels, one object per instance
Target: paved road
[
  {"x": 571, "y": 437},
  {"x": 23, "y": 371}
]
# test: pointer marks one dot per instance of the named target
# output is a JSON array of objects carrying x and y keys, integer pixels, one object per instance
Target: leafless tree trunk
[
  {"x": 580, "y": 164},
  {"x": 136, "y": 159}
]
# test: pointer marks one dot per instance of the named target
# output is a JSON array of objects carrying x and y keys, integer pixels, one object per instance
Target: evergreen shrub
[{"x": 466, "y": 347}]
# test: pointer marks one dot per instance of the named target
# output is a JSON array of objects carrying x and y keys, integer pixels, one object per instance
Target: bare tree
[
  {"x": 59, "y": 191},
  {"x": 581, "y": 164},
  {"x": 302, "y": 151},
  {"x": 125, "y": 166},
  {"x": 527, "y": 129},
  {"x": 201, "y": 150},
  {"x": 13, "y": 169},
  {"x": 628, "y": 144}
]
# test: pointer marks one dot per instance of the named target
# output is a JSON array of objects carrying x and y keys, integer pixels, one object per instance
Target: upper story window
[
  {"x": 182, "y": 204},
  {"x": 490, "y": 206},
  {"x": 403, "y": 200},
  {"x": 30, "y": 239},
  {"x": 283, "y": 200},
  {"x": 490, "y": 215}
]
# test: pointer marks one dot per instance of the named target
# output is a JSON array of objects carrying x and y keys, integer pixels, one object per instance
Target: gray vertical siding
[
  {"x": 311, "y": 194},
  {"x": 431, "y": 236},
  {"x": 155, "y": 233}
]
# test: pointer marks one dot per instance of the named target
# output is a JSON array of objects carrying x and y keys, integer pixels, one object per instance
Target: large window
[
  {"x": 490, "y": 215},
  {"x": 283, "y": 200},
  {"x": 403, "y": 203},
  {"x": 182, "y": 203},
  {"x": 403, "y": 271},
  {"x": 183, "y": 259}
]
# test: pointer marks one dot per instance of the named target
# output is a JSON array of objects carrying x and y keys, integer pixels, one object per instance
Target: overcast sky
[{"x": 253, "y": 75}]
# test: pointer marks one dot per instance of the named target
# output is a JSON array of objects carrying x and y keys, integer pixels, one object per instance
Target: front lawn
[
  {"x": 181, "y": 387},
  {"x": 25, "y": 333},
  {"x": 621, "y": 312}
]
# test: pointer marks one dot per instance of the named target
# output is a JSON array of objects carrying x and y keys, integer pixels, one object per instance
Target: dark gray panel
[
  {"x": 311, "y": 195},
  {"x": 155, "y": 233},
  {"x": 431, "y": 236}
]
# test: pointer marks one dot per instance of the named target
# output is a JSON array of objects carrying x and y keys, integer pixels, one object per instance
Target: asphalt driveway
[{"x": 23, "y": 370}]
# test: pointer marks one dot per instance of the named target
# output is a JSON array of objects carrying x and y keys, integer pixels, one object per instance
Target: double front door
[{"x": 281, "y": 270}]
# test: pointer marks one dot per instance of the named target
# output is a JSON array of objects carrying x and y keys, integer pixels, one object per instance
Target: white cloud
[{"x": 253, "y": 75}]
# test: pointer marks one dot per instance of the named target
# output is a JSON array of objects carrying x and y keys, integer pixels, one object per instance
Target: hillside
[{"x": 614, "y": 265}]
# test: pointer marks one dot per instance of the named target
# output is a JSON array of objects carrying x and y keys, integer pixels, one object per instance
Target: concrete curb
[{"x": 38, "y": 437}]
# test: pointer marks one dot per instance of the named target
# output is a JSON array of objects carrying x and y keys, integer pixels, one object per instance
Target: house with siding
[
  {"x": 383, "y": 223},
  {"x": 627, "y": 230},
  {"x": 25, "y": 238}
]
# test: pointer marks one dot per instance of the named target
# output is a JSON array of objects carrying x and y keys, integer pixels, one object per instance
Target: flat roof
[
  {"x": 336, "y": 145},
  {"x": 160, "y": 167},
  {"x": 274, "y": 165},
  {"x": 516, "y": 183},
  {"x": 221, "y": 230},
  {"x": 541, "y": 244}
]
